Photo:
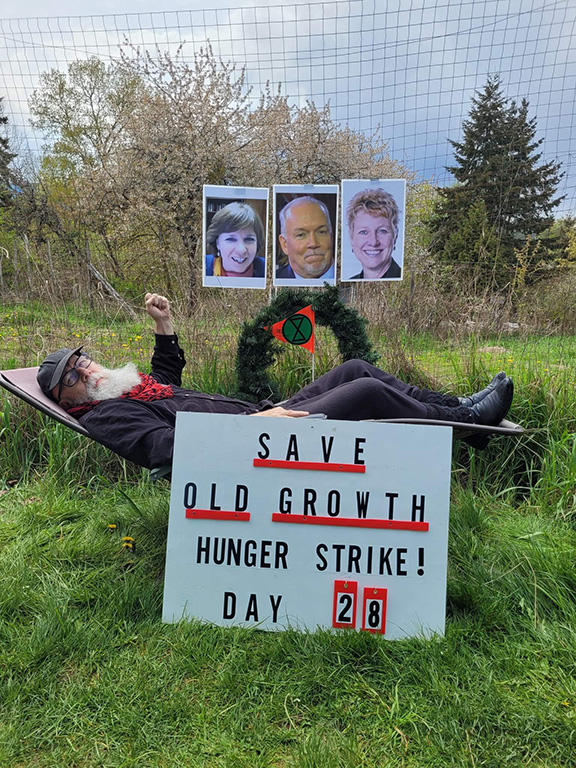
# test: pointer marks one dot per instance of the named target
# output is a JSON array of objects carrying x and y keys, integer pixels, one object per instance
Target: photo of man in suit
[{"x": 305, "y": 242}]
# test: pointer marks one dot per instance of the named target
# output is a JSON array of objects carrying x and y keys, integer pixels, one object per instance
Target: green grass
[{"x": 90, "y": 677}]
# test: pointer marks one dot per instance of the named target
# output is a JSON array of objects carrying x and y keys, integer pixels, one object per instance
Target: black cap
[{"x": 52, "y": 369}]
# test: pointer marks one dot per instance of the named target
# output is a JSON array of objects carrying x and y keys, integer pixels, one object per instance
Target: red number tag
[
  {"x": 345, "y": 602},
  {"x": 374, "y": 610}
]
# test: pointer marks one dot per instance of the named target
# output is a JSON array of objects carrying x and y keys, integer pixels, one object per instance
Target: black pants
[{"x": 357, "y": 390}]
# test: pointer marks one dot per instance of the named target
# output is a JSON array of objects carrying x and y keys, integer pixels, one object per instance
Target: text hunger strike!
[
  {"x": 134, "y": 414},
  {"x": 382, "y": 560}
]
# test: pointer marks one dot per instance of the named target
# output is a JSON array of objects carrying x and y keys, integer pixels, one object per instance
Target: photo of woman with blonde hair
[{"x": 373, "y": 218}]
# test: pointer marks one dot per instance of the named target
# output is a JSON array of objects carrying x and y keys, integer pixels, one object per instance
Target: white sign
[{"x": 309, "y": 523}]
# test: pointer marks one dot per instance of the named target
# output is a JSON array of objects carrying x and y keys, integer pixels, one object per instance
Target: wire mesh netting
[{"x": 404, "y": 69}]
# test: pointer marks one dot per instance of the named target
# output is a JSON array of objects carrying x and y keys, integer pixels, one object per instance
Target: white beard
[{"x": 114, "y": 382}]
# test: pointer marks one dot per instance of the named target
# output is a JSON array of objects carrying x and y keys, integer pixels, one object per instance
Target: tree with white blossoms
[{"x": 133, "y": 142}]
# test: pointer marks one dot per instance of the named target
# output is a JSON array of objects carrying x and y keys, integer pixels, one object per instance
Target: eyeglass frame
[{"x": 73, "y": 371}]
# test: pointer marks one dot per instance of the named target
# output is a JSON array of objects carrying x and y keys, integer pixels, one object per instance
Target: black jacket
[
  {"x": 144, "y": 431},
  {"x": 394, "y": 270}
]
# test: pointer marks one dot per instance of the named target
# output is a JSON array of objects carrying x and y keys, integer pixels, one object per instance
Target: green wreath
[{"x": 257, "y": 347}]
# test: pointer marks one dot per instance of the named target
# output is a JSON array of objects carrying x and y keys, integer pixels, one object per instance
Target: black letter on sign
[
  {"x": 362, "y": 503},
  {"x": 252, "y": 610},
  {"x": 213, "y": 504},
  {"x": 241, "y": 498},
  {"x": 190, "y": 495},
  {"x": 275, "y": 605},
  {"x": 266, "y": 452},
  {"x": 401, "y": 561},
  {"x": 333, "y": 506},
  {"x": 203, "y": 550},
  {"x": 285, "y": 503},
  {"x": 359, "y": 450},
  {"x": 418, "y": 507},
  {"x": 320, "y": 549},
  {"x": 309, "y": 500},
  {"x": 229, "y": 605},
  {"x": 391, "y": 497},
  {"x": 384, "y": 561},
  {"x": 292, "y": 452},
  {"x": 327, "y": 450}
]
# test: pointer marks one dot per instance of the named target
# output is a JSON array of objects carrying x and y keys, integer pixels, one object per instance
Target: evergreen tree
[
  {"x": 497, "y": 163},
  {"x": 5, "y": 159},
  {"x": 474, "y": 239}
]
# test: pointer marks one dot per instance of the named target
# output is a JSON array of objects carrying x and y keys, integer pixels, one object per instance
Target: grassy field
[{"x": 90, "y": 677}]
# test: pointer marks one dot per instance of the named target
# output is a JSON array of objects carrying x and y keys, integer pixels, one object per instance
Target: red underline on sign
[
  {"x": 318, "y": 466},
  {"x": 352, "y": 522},
  {"x": 216, "y": 514}
]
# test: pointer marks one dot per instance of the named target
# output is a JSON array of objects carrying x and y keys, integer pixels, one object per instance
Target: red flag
[{"x": 297, "y": 329}]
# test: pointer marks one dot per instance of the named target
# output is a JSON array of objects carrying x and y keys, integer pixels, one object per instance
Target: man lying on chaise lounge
[{"x": 134, "y": 414}]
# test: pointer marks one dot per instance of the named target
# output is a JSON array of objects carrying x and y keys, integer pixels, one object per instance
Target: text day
[{"x": 230, "y": 603}]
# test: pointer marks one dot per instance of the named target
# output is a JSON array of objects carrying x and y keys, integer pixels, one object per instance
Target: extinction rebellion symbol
[{"x": 297, "y": 329}]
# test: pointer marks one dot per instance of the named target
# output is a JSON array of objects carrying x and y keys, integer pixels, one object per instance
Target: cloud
[{"x": 408, "y": 73}]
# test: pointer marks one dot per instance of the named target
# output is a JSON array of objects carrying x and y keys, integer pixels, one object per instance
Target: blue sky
[
  {"x": 30, "y": 8},
  {"x": 406, "y": 68}
]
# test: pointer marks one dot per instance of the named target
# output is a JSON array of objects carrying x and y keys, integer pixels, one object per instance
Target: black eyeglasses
[{"x": 71, "y": 376}]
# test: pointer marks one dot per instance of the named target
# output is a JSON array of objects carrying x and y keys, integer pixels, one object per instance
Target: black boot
[
  {"x": 494, "y": 407},
  {"x": 478, "y": 396}
]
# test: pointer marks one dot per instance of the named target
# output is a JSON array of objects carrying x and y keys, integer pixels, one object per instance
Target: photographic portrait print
[
  {"x": 305, "y": 234},
  {"x": 373, "y": 217},
  {"x": 234, "y": 237}
]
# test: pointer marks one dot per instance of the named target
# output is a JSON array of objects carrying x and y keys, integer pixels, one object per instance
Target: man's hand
[
  {"x": 279, "y": 411},
  {"x": 158, "y": 307}
]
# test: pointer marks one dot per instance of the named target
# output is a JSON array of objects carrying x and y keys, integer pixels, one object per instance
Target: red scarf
[{"x": 148, "y": 389}]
